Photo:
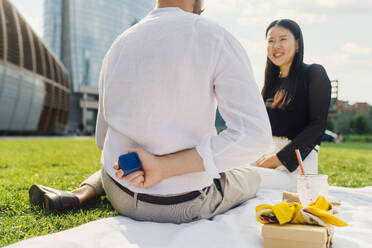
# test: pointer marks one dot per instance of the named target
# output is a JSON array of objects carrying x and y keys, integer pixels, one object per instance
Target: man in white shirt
[{"x": 159, "y": 88}]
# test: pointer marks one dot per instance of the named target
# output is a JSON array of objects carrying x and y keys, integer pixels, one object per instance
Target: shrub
[
  {"x": 355, "y": 138},
  {"x": 360, "y": 124}
]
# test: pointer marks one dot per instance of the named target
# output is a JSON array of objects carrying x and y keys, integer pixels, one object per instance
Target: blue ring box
[{"x": 129, "y": 162}]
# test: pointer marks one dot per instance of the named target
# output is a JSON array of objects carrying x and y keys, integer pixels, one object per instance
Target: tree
[
  {"x": 343, "y": 122},
  {"x": 220, "y": 122},
  {"x": 370, "y": 119},
  {"x": 330, "y": 124},
  {"x": 360, "y": 124}
]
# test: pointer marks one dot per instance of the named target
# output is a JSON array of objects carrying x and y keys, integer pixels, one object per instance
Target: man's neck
[{"x": 186, "y": 5}]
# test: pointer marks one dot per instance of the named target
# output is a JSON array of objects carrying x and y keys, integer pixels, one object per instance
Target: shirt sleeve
[
  {"x": 101, "y": 125},
  {"x": 248, "y": 133},
  {"x": 319, "y": 99}
]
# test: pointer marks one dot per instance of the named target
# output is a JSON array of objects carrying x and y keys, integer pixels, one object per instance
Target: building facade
[
  {"x": 358, "y": 107},
  {"x": 34, "y": 86},
  {"x": 80, "y": 32}
]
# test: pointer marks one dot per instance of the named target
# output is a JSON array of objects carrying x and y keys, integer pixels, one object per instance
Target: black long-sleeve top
[{"x": 304, "y": 120}]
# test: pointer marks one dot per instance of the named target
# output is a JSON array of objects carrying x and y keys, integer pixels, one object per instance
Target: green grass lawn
[
  {"x": 59, "y": 163},
  {"x": 64, "y": 163},
  {"x": 347, "y": 164}
]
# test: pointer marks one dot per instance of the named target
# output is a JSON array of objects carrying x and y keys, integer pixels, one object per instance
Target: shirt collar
[{"x": 159, "y": 11}]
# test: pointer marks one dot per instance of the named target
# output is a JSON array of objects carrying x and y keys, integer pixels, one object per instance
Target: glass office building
[
  {"x": 34, "y": 87},
  {"x": 80, "y": 32}
]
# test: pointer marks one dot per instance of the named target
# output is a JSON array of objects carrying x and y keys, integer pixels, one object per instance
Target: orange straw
[{"x": 299, "y": 159}]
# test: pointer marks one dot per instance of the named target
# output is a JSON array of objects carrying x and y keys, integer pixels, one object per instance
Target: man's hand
[
  {"x": 150, "y": 173},
  {"x": 156, "y": 168},
  {"x": 271, "y": 161}
]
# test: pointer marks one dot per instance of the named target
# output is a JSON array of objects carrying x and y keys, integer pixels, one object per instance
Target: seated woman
[{"x": 297, "y": 98}]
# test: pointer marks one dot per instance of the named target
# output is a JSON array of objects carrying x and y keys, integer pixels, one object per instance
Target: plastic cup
[{"x": 310, "y": 186}]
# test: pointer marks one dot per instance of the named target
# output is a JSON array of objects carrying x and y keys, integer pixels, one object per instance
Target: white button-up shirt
[{"x": 159, "y": 88}]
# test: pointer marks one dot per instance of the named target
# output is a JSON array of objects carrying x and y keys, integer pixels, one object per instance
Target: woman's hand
[
  {"x": 270, "y": 161},
  {"x": 150, "y": 173}
]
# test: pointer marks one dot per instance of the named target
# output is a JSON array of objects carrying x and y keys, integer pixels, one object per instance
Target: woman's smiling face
[{"x": 281, "y": 46}]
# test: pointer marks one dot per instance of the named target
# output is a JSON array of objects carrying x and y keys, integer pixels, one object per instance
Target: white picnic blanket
[{"x": 236, "y": 228}]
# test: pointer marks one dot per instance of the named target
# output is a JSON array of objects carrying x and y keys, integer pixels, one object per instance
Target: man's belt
[{"x": 160, "y": 200}]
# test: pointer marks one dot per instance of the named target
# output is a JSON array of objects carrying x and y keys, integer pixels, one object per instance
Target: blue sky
[{"x": 337, "y": 34}]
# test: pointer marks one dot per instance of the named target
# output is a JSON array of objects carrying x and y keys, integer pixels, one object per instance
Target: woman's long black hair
[{"x": 285, "y": 95}]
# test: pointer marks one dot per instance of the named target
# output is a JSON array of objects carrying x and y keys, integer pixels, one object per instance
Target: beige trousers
[{"x": 237, "y": 186}]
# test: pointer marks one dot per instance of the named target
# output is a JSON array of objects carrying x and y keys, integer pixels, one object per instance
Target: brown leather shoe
[{"x": 53, "y": 199}]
